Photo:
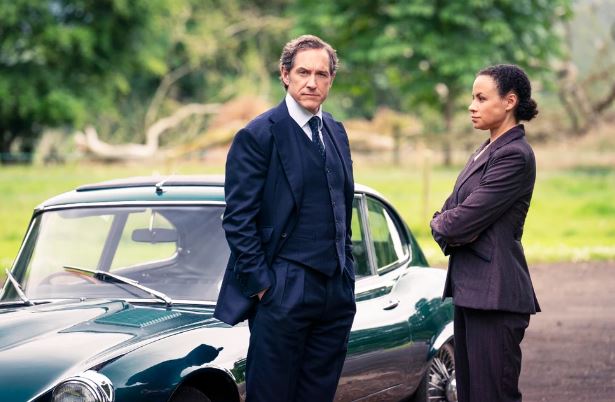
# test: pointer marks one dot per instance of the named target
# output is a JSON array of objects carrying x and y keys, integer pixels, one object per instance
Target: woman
[{"x": 480, "y": 227}]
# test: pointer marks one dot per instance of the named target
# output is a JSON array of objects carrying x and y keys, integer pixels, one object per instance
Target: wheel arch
[
  {"x": 217, "y": 383},
  {"x": 445, "y": 336}
]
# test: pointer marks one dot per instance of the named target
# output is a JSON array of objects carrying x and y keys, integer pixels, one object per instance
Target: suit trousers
[
  {"x": 299, "y": 335},
  {"x": 488, "y": 354}
]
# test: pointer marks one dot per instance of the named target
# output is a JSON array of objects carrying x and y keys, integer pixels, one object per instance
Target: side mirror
[{"x": 156, "y": 235}]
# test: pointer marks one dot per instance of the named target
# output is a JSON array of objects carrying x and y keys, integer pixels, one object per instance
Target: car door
[{"x": 379, "y": 348}]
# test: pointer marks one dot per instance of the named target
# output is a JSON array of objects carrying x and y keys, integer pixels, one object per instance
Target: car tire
[
  {"x": 189, "y": 394},
  {"x": 438, "y": 384}
]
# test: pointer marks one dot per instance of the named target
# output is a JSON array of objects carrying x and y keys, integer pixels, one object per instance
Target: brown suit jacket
[{"x": 481, "y": 224}]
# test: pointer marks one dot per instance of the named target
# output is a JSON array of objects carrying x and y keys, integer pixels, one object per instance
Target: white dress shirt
[
  {"x": 481, "y": 151},
  {"x": 302, "y": 116}
]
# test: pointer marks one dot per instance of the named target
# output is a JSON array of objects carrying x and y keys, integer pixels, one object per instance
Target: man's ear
[
  {"x": 284, "y": 75},
  {"x": 512, "y": 100}
]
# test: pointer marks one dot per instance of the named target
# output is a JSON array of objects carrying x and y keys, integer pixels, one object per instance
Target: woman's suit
[{"x": 480, "y": 227}]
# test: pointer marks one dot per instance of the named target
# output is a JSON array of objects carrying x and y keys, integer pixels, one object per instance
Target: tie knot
[{"x": 314, "y": 123}]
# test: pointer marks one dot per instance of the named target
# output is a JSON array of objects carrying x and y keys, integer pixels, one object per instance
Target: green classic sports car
[{"x": 112, "y": 294}]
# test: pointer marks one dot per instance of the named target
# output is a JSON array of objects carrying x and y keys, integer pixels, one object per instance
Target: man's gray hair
[{"x": 287, "y": 59}]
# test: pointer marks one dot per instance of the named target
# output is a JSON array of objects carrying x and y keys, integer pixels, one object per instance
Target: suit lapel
[
  {"x": 340, "y": 146},
  {"x": 285, "y": 138},
  {"x": 511, "y": 135},
  {"x": 473, "y": 165}
]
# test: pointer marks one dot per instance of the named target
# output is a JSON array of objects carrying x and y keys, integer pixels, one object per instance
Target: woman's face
[{"x": 488, "y": 109}]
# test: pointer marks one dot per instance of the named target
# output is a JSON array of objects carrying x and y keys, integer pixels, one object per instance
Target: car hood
[{"x": 40, "y": 345}]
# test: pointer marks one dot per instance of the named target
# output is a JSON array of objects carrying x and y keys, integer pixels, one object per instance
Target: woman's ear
[{"x": 511, "y": 100}]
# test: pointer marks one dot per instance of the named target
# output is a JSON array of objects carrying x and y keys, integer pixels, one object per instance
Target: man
[{"x": 289, "y": 191}]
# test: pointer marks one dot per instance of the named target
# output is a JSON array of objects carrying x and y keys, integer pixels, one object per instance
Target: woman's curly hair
[{"x": 511, "y": 78}]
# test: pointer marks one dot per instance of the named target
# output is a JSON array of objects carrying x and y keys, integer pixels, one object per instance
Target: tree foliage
[
  {"x": 219, "y": 49},
  {"x": 122, "y": 64},
  {"x": 409, "y": 54},
  {"x": 61, "y": 59}
]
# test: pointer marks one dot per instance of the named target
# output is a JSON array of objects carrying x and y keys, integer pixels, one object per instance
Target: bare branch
[
  {"x": 603, "y": 74},
  {"x": 153, "y": 133},
  {"x": 89, "y": 141},
  {"x": 163, "y": 89},
  {"x": 606, "y": 102}
]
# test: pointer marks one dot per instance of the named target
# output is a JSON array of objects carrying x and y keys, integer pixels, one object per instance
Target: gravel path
[{"x": 569, "y": 348}]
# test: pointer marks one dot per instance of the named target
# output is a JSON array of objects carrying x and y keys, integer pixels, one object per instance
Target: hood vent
[{"x": 138, "y": 318}]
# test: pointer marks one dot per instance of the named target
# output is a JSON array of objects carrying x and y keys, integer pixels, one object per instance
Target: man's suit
[
  {"x": 480, "y": 227},
  {"x": 265, "y": 189}
]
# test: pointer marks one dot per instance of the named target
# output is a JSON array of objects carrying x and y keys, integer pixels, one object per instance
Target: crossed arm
[{"x": 499, "y": 188}]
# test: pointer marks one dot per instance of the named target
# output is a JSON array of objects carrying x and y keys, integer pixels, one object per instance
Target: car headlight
[{"x": 90, "y": 386}]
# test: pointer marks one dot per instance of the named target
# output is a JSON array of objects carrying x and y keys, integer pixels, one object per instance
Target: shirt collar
[{"x": 298, "y": 113}]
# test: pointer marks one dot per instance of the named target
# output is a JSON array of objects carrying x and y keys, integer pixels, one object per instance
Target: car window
[
  {"x": 359, "y": 248},
  {"x": 389, "y": 248},
  {"x": 56, "y": 246},
  {"x": 178, "y": 250},
  {"x": 139, "y": 243}
]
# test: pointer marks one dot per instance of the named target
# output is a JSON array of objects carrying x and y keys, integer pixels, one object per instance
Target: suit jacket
[
  {"x": 481, "y": 225},
  {"x": 263, "y": 191}
]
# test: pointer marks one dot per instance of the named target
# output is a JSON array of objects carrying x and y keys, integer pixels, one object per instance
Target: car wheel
[
  {"x": 438, "y": 384},
  {"x": 189, "y": 394}
]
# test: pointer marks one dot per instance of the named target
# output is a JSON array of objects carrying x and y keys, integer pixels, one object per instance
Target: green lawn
[{"x": 572, "y": 216}]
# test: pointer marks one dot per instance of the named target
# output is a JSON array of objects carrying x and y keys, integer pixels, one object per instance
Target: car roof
[{"x": 174, "y": 188}]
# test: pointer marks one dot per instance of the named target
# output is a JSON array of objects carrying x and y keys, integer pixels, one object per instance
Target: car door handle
[{"x": 391, "y": 305}]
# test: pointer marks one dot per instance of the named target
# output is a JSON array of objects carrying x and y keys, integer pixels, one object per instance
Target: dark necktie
[{"x": 314, "y": 123}]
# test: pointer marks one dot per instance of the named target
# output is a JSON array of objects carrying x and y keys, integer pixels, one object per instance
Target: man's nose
[{"x": 312, "y": 81}]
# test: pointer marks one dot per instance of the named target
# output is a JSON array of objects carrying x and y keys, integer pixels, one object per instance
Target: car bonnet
[{"x": 41, "y": 345}]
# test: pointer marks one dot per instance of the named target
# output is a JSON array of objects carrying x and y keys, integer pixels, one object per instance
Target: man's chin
[{"x": 310, "y": 106}]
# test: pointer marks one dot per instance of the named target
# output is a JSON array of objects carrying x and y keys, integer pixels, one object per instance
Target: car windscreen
[{"x": 178, "y": 250}]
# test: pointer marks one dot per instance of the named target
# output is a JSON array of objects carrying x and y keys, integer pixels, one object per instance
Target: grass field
[{"x": 572, "y": 216}]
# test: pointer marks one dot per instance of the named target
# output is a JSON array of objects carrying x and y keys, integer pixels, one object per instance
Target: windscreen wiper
[
  {"x": 18, "y": 288},
  {"x": 98, "y": 274}
]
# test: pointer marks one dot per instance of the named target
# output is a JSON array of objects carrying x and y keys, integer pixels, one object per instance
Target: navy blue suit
[
  {"x": 480, "y": 226},
  {"x": 287, "y": 223}
]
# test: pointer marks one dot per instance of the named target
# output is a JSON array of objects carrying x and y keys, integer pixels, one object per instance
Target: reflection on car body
[{"x": 112, "y": 295}]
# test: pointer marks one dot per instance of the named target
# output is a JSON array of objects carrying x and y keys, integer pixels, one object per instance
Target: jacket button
[{"x": 284, "y": 234}]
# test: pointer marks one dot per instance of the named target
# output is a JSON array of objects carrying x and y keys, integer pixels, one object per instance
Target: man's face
[{"x": 309, "y": 80}]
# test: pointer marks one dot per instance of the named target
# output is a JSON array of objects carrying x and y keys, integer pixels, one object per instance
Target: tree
[
  {"x": 218, "y": 50},
  {"x": 587, "y": 87},
  {"x": 424, "y": 53},
  {"x": 62, "y": 59}
]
